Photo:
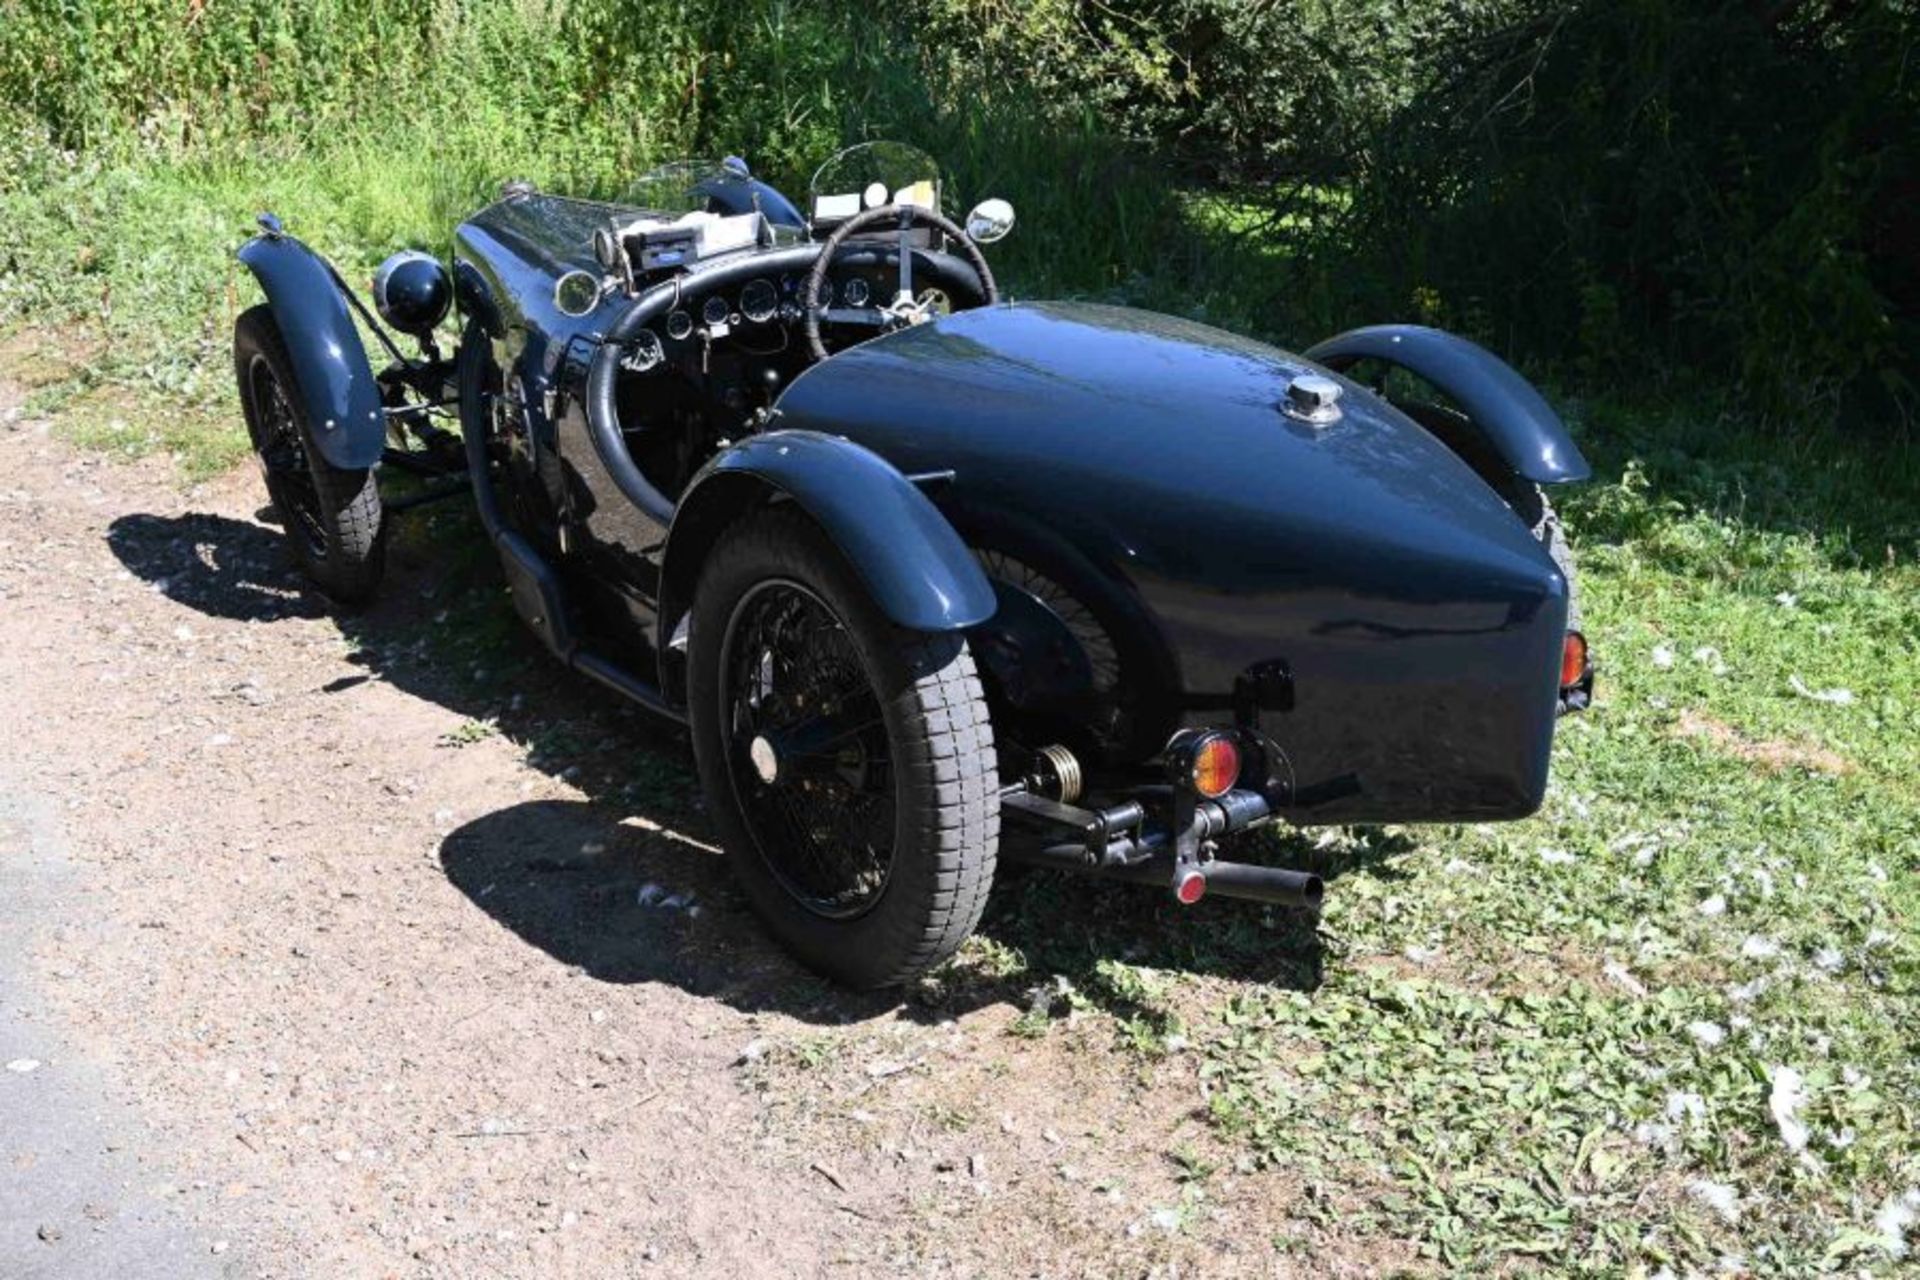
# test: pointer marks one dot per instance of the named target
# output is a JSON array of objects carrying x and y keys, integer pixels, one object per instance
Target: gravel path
[{"x": 394, "y": 1003}]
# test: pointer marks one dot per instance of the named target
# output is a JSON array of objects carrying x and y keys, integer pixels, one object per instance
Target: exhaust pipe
[
  {"x": 1277, "y": 885},
  {"x": 1118, "y": 844},
  {"x": 1264, "y": 884}
]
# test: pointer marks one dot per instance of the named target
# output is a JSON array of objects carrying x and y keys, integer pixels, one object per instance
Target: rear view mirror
[{"x": 990, "y": 221}]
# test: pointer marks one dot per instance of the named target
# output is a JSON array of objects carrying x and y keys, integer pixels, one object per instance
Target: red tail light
[
  {"x": 1573, "y": 660},
  {"x": 1216, "y": 766}
]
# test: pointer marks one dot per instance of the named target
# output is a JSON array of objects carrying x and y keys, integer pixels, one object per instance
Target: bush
[{"x": 1726, "y": 186}]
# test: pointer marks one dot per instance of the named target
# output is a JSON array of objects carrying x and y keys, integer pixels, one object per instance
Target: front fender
[
  {"x": 336, "y": 388},
  {"x": 920, "y": 572},
  {"x": 1517, "y": 422}
]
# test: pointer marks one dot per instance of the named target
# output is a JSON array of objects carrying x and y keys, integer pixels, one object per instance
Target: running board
[
  {"x": 622, "y": 681},
  {"x": 541, "y": 603}
]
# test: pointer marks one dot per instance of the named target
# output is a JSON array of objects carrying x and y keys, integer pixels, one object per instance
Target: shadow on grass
[{"x": 568, "y": 876}]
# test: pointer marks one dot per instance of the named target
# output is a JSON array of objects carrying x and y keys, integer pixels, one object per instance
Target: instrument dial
[
  {"x": 856, "y": 292},
  {"x": 679, "y": 326},
  {"x": 644, "y": 353},
  {"x": 715, "y": 311},
  {"x": 758, "y": 301}
]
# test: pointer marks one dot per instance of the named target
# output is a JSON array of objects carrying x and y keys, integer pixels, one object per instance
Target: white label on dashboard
[{"x": 836, "y": 206}]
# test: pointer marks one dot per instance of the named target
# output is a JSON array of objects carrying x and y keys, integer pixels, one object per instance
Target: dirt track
[{"x": 379, "y": 980}]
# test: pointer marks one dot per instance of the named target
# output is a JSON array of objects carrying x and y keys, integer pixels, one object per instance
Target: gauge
[
  {"x": 758, "y": 301},
  {"x": 935, "y": 302},
  {"x": 856, "y": 292},
  {"x": 644, "y": 353},
  {"x": 714, "y": 311},
  {"x": 679, "y": 326}
]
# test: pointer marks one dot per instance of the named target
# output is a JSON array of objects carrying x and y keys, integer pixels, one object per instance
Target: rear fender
[
  {"x": 337, "y": 386},
  {"x": 917, "y": 568},
  {"x": 1516, "y": 422}
]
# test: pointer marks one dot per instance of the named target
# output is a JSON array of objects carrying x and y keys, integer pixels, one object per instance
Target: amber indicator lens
[
  {"x": 1216, "y": 767},
  {"x": 1573, "y": 659}
]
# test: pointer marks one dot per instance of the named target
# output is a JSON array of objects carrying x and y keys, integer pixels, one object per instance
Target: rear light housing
[
  {"x": 1206, "y": 761},
  {"x": 1573, "y": 660}
]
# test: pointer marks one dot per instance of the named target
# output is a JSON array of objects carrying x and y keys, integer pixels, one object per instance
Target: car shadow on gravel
[
  {"x": 627, "y": 900},
  {"x": 624, "y": 885},
  {"x": 223, "y": 567}
]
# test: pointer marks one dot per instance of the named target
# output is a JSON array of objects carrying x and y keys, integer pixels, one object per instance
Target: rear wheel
[
  {"x": 331, "y": 518},
  {"x": 849, "y": 764}
]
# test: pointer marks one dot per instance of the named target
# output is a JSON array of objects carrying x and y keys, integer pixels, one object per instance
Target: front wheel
[
  {"x": 849, "y": 764},
  {"x": 332, "y": 518}
]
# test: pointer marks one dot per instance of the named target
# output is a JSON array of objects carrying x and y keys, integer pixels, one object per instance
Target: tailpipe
[
  {"x": 1263, "y": 884},
  {"x": 1189, "y": 882}
]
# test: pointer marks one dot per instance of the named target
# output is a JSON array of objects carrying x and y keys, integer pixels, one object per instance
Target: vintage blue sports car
[{"x": 936, "y": 579}]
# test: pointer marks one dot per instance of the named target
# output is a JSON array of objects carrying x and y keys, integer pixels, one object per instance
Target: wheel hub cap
[{"x": 765, "y": 762}]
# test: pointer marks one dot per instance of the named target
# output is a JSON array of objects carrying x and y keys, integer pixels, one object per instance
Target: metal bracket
[{"x": 1265, "y": 686}]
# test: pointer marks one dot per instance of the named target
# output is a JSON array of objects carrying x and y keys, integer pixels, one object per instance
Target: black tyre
[
  {"x": 849, "y": 764},
  {"x": 332, "y": 518}
]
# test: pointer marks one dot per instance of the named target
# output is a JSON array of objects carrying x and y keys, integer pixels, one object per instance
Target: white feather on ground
[
  {"x": 1895, "y": 1217},
  {"x": 1717, "y": 1196},
  {"x": 1789, "y": 1095}
]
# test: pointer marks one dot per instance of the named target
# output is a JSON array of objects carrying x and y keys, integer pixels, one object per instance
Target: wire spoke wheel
[
  {"x": 331, "y": 517},
  {"x": 283, "y": 459},
  {"x": 808, "y": 751},
  {"x": 848, "y": 762}
]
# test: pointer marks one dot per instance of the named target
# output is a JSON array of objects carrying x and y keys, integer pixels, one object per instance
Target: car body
[{"x": 1164, "y": 549}]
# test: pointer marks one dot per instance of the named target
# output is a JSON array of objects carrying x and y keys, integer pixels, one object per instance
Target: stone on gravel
[
  {"x": 49, "y": 1233},
  {"x": 21, "y": 1066}
]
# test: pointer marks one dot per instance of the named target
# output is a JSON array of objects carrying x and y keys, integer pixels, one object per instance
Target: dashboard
[
  {"x": 754, "y": 315},
  {"x": 707, "y": 369}
]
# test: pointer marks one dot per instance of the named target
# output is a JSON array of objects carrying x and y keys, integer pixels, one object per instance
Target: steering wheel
[{"x": 903, "y": 310}]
